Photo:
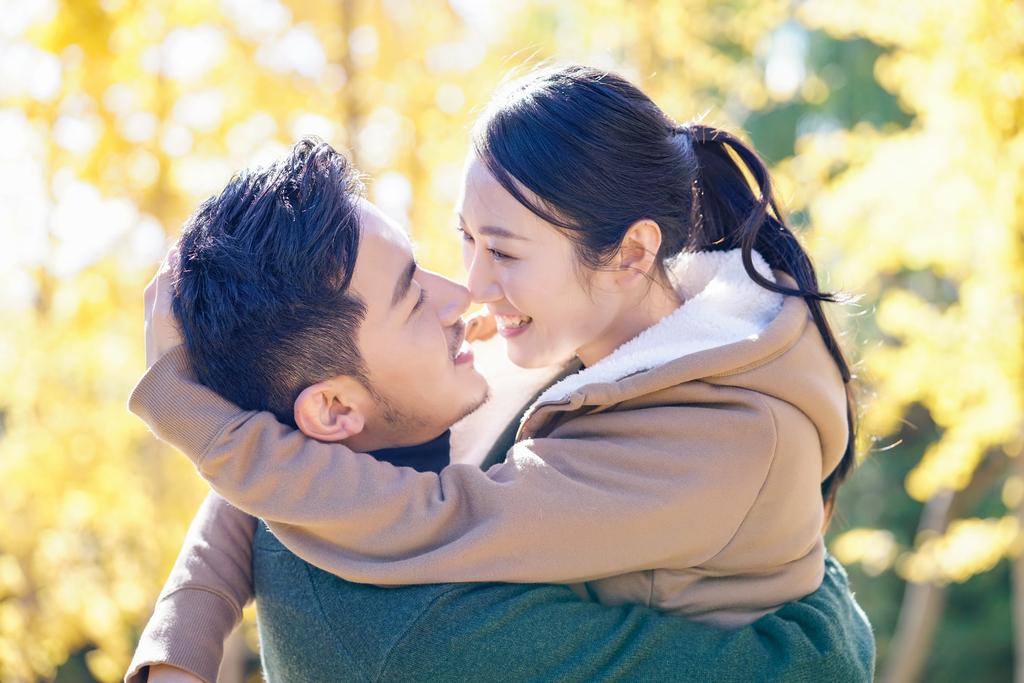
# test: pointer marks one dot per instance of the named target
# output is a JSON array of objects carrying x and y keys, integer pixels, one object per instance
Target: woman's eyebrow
[{"x": 494, "y": 231}]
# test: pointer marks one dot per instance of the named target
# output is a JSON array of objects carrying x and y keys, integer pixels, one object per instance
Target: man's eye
[{"x": 420, "y": 301}]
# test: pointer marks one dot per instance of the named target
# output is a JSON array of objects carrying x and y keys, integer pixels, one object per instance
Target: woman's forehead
[{"x": 483, "y": 201}]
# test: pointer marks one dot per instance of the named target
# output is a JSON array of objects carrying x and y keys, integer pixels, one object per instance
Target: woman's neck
[{"x": 635, "y": 316}]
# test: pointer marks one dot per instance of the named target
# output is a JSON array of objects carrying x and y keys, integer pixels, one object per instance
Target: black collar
[{"x": 432, "y": 456}]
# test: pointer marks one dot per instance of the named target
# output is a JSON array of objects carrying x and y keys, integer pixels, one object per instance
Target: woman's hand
[
  {"x": 165, "y": 673},
  {"x": 161, "y": 328},
  {"x": 480, "y": 327}
]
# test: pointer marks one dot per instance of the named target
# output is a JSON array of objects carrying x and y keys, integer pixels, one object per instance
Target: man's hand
[
  {"x": 165, "y": 673},
  {"x": 161, "y": 328}
]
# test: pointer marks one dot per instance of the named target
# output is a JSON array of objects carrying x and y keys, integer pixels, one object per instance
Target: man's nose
[
  {"x": 453, "y": 298},
  {"x": 482, "y": 286}
]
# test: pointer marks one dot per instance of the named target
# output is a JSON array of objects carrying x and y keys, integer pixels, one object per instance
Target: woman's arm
[
  {"x": 202, "y": 601},
  {"x": 610, "y": 499}
]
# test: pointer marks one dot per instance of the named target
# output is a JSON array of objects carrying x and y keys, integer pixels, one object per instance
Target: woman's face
[{"x": 547, "y": 306}]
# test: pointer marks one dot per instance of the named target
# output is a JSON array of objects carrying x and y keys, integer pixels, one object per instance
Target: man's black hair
[{"x": 262, "y": 288}]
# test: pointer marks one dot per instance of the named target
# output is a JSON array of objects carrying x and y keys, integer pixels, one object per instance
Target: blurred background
[{"x": 894, "y": 129}]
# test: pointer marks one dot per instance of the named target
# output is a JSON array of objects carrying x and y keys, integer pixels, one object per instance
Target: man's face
[{"x": 411, "y": 340}]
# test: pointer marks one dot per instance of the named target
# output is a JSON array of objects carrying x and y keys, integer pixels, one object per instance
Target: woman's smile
[{"x": 512, "y": 325}]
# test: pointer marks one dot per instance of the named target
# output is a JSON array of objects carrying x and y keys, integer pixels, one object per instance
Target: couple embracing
[{"x": 655, "y": 513}]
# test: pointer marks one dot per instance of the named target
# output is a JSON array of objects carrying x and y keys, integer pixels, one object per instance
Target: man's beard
[
  {"x": 455, "y": 345},
  {"x": 473, "y": 406},
  {"x": 395, "y": 417}
]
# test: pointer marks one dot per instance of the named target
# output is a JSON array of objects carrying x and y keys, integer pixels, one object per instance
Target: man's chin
[{"x": 474, "y": 405}]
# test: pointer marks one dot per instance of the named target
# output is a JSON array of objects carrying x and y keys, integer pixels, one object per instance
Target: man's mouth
[{"x": 465, "y": 354}]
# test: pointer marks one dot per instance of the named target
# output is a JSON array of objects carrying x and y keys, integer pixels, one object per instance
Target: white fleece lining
[{"x": 721, "y": 305}]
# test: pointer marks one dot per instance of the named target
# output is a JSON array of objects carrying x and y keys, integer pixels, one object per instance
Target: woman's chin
[{"x": 522, "y": 355}]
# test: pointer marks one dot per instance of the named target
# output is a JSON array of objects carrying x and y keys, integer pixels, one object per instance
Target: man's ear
[
  {"x": 331, "y": 410},
  {"x": 637, "y": 253}
]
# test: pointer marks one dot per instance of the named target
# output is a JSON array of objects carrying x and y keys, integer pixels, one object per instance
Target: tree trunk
[
  {"x": 1017, "y": 592},
  {"x": 921, "y": 608},
  {"x": 923, "y": 603}
]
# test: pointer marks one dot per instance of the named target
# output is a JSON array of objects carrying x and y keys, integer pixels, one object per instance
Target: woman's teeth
[{"x": 511, "y": 322}]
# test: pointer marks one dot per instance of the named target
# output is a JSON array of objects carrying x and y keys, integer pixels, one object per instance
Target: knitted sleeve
[{"x": 202, "y": 601}]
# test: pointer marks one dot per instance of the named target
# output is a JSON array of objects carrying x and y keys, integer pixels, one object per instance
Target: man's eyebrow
[{"x": 404, "y": 283}]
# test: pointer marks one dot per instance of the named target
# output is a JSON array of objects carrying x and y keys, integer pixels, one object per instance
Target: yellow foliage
[
  {"x": 129, "y": 113},
  {"x": 126, "y": 115},
  {"x": 944, "y": 199},
  {"x": 875, "y": 549},
  {"x": 969, "y": 547},
  {"x": 91, "y": 506}
]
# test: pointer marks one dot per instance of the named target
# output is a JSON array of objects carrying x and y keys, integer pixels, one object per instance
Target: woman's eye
[
  {"x": 495, "y": 254},
  {"x": 498, "y": 256}
]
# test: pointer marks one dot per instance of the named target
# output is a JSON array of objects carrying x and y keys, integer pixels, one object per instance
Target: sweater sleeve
[
  {"x": 560, "y": 510},
  {"x": 202, "y": 601}
]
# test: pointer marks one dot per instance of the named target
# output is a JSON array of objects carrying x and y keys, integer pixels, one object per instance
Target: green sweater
[{"x": 315, "y": 626}]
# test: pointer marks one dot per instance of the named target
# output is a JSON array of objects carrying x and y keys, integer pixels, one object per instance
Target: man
[{"x": 297, "y": 297}]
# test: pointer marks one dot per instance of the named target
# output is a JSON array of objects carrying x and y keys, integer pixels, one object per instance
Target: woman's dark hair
[
  {"x": 262, "y": 288},
  {"x": 590, "y": 153}
]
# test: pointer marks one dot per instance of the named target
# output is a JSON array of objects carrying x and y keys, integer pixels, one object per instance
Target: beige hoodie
[{"x": 682, "y": 472}]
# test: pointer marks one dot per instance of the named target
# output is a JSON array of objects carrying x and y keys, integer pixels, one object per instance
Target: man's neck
[{"x": 432, "y": 456}]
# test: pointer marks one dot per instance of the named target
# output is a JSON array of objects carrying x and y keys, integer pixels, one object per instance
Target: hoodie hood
[
  {"x": 721, "y": 305},
  {"x": 729, "y": 332}
]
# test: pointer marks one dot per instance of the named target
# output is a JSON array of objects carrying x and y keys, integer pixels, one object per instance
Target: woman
[{"x": 683, "y": 467}]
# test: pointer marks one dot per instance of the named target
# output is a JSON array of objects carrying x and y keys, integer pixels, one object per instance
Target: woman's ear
[
  {"x": 637, "y": 253},
  {"x": 330, "y": 410}
]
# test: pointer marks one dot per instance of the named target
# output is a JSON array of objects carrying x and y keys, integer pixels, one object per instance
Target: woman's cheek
[
  {"x": 514, "y": 281},
  {"x": 538, "y": 303}
]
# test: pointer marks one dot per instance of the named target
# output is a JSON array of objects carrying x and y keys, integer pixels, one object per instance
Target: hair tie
[
  {"x": 690, "y": 130},
  {"x": 685, "y": 133}
]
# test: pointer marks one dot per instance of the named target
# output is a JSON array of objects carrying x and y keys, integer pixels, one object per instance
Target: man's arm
[
  {"x": 486, "y": 632},
  {"x": 202, "y": 601}
]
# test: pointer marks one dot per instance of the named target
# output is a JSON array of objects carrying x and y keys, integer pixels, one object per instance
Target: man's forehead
[
  {"x": 379, "y": 223},
  {"x": 385, "y": 254},
  {"x": 371, "y": 210}
]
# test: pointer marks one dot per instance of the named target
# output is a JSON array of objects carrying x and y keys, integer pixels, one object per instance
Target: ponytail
[{"x": 727, "y": 214}]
